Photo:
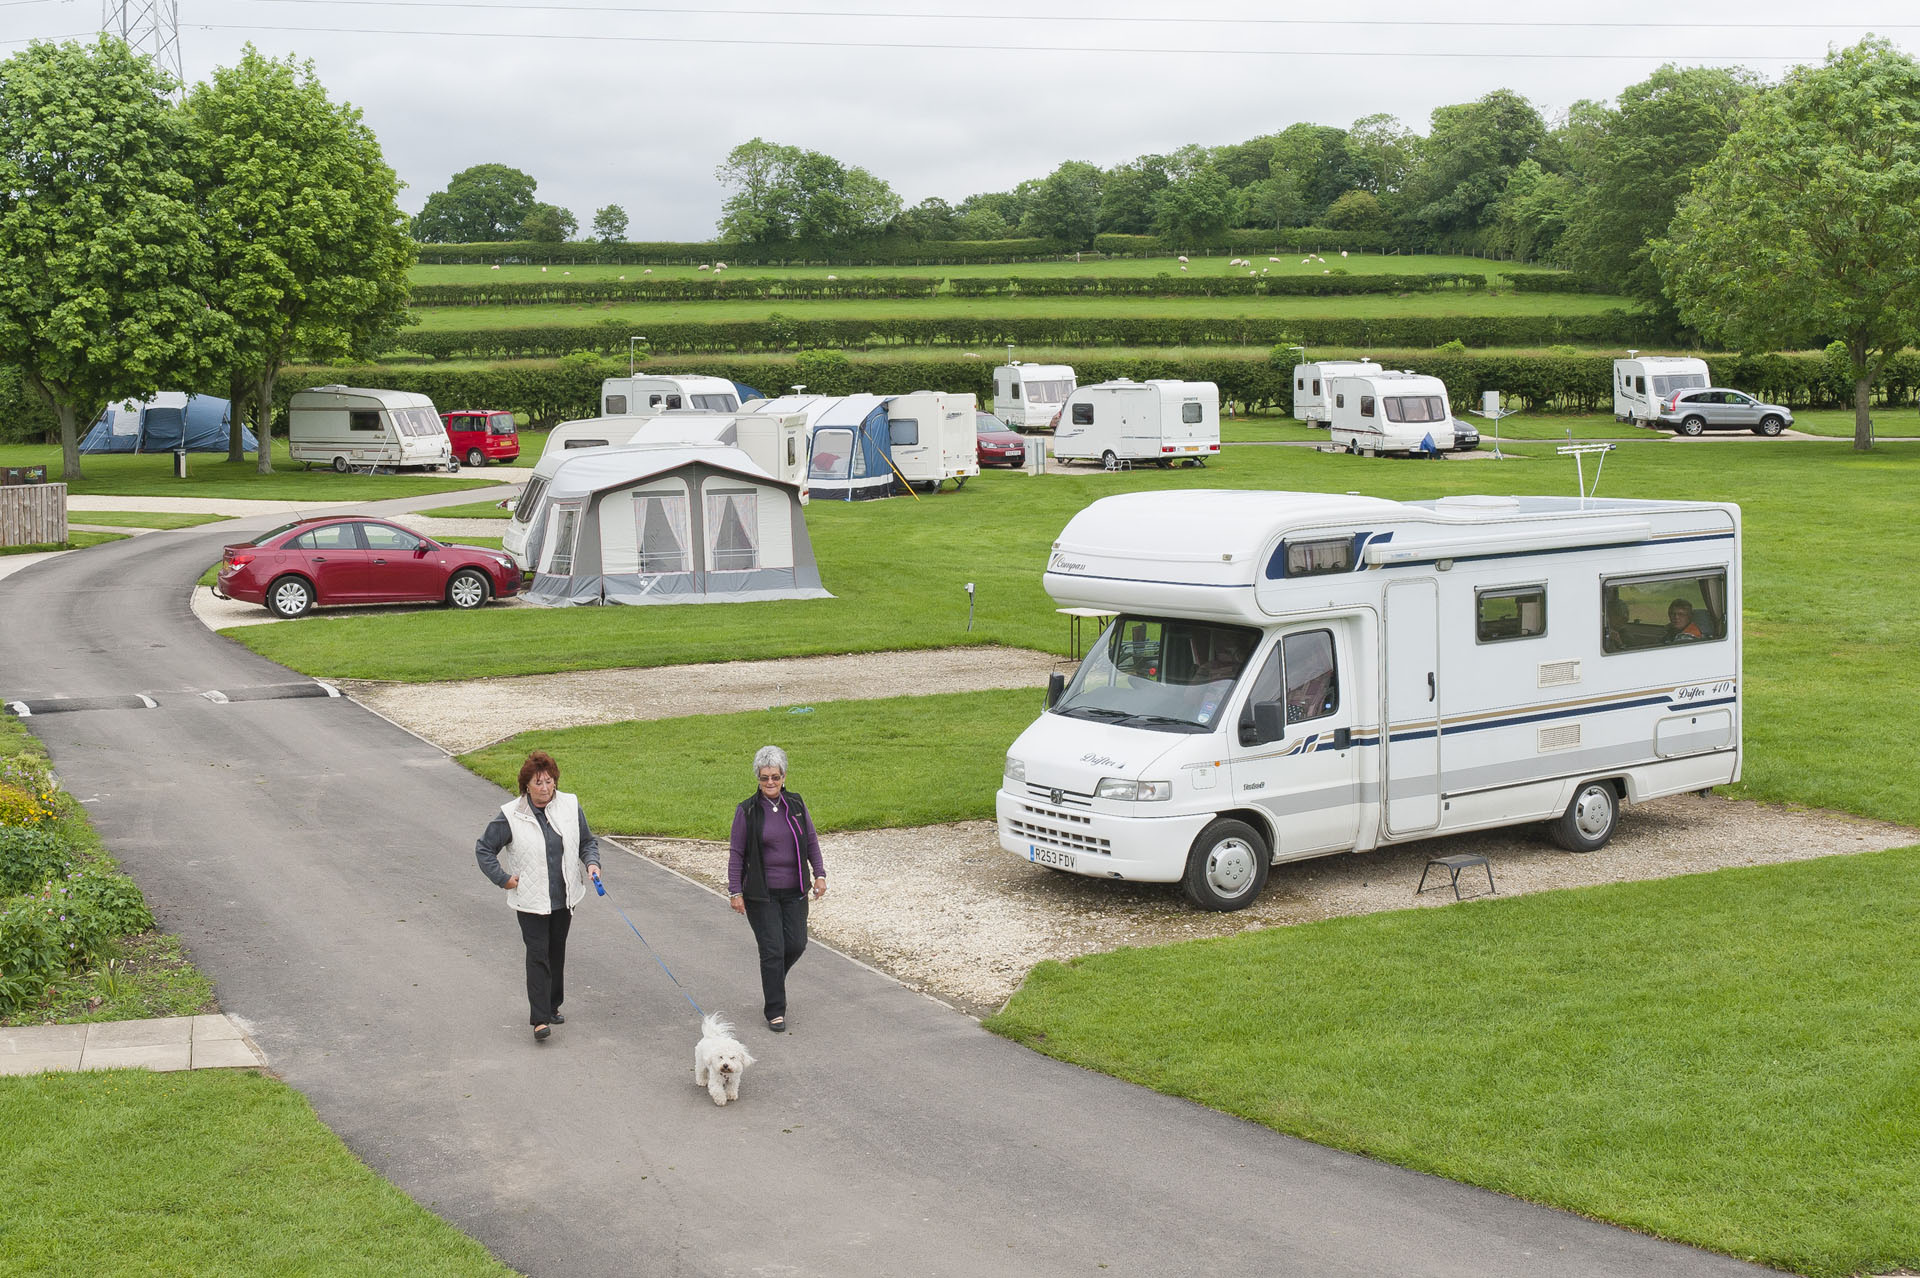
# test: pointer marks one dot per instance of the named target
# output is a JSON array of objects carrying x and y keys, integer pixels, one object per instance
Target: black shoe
[
  {"x": 540, "y": 1033},
  {"x": 777, "y": 1024},
  {"x": 559, "y": 1019}
]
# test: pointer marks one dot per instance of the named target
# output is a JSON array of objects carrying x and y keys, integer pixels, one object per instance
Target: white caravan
[
  {"x": 1136, "y": 422},
  {"x": 931, "y": 435},
  {"x": 1297, "y": 674},
  {"x": 1640, "y": 384},
  {"x": 1391, "y": 412},
  {"x": 349, "y": 426},
  {"x": 620, "y": 396},
  {"x": 1312, "y": 397},
  {"x": 1029, "y": 396},
  {"x": 777, "y": 442}
]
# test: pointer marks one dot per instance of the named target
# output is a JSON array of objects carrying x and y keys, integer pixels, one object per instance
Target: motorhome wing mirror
[
  {"x": 1270, "y": 720},
  {"x": 1056, "y": 685},
  {"x": 510, "y": 505}
]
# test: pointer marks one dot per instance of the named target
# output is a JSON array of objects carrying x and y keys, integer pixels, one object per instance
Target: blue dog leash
[{"x": 602, "y": 889}]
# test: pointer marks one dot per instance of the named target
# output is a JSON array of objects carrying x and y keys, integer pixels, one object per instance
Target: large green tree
[
  {"x": 1470, "y": 156},
  {"x": 783, "y": 193},
  {"x": 1195, "y": 207},
  {"x": 610, "y": 224},
  {"x": 549, "y": 224},
  {"x": 310, "y": 247},
  {"x": 102, "y": 253},
  {"x": 484, "y": 204},
  {"x": 1806, "y": 227},
  {"x": 1066, "y": 206},
  {"x": 1127, "y": 194},
  {"x": 1637, "y": 161}
]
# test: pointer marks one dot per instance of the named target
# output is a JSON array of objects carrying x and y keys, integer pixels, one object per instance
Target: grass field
[
  {"x": 1362, "y": 306},
  {"x": 212, "y": 475},
  {"x": 1131, "y": 268},
  {"x": 142, "y": 518},
  {"x": 75, "y": 541},
  {"x": 202, "y": 1172},
  {"x": 1722, "y": 1059}
]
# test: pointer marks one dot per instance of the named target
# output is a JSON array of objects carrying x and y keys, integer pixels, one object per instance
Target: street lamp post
[{"x": 630, "y": 342}]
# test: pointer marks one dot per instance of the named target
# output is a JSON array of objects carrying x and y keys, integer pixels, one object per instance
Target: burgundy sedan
[
  {"x": 998, "y": 444},
  {"x": 345, "y": 560}
]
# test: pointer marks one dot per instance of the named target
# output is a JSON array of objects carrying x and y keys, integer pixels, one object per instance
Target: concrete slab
[
  {"x": 18, "y": 1039},
  {"x": 160, "y": 1031},
  {"x": 160, "y": 1057},
  {"x": 224, "y": 1053},
  {"x": 39, "y": 1063},
  {"x": 216, "y": 1026}
]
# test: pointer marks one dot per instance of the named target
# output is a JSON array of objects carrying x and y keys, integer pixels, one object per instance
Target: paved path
[
  {"x": 318, "y": 864},
  {"x": 159, "y": 1043}
]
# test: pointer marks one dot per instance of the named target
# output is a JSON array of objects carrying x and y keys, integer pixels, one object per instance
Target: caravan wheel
[
  {"x": 1226, "y": 867},
  {"x": 1588, "y": 822},
  {"x": 340, "y": 465}
]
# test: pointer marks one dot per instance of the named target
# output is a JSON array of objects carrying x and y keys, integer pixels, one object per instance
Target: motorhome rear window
[
  {"x": 616, "y": 405},
  {"x": 1673, "y": 609},
  {"x": 1518, "y": 612},
  {"x": 362, "y": 419},
  {"x": 904, "y": 432},
  {"x": 1190, "y": 413},
  {"x": 1083, "y": 414},
  {"x": 1316, "y": 558},
  {"x": 1413, "y": 408}
]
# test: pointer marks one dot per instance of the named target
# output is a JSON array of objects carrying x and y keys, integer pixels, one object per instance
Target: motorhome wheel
[
  {"x": 290, "y": 597},
  {"x": 1769, "y": 425},
  {"x": 1588, "y": 822},
  {"x": 340, "y": 465},
  {"x": 1693, "y": 425},
  {"x": 476, "y": 458},
  {"x": 1227, "y": 866},
  {"x": 468, "y": 589}
]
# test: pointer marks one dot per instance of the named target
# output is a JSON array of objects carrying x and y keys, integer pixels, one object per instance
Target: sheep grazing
[
  {"x": 1343, "y": 252},
  {"x": 647, "y": 271},
  {"x": 496, "y": 268},
  {"x": 543, "y": 270},
  {"x": 705, "y": 267},
  {"x": 833, "y": 277},
  {"x": 1273, "y": 259},
  {"x": 719, "y": 266},
  {"x": 1182, "y": 258},
  {"x": 1183, "y": 268}
]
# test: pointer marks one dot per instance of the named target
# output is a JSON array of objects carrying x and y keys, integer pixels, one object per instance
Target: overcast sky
[{"x": 609, "y": 102}]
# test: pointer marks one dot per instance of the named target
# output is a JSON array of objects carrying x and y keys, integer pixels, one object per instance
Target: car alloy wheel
[{"x": 468, "y": 589}]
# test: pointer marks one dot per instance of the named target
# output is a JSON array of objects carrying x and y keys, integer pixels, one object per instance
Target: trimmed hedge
[
  {"x": 778, "y": 333},
  {"x": 698, "y": 289},
  {"x": 548, "y": 392},
  {"x": 1212, "y": 286},
  {"x": 1552, "y": 282},
  {"x": 886, "y": 252}
]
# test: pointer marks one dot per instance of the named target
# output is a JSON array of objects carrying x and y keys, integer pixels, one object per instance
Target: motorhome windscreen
[
  {"x": 1162, "y": 674},
  {"x": 1671, "y": 382},
  {"x": 1048, "y": 392},
  {"x": 1415, "y": 408}
]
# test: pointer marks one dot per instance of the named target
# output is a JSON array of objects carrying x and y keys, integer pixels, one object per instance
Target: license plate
[{"x": 1049, "y": 856}]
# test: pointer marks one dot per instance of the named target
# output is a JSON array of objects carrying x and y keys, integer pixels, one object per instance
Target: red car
[
  {"x": 482, "y": 435},
  {"x": 998, "y": 444},
  {"x": 356, "y": 560}
]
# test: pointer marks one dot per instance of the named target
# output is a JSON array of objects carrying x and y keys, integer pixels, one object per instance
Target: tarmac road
[{"x": 318, "y": 863}]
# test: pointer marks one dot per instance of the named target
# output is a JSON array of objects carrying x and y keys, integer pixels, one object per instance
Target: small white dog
[{"x": 719, "y": 1059}]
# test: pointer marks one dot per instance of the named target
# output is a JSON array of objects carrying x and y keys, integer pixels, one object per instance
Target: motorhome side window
[
  {"x": 1302, "y": 675},
  {"x": 1638, "y": 613},
  {"x": 905, "y": 433},
  {"x": 1083, "y": 414},
  {"x": 1517, "y": 613},
  {"x": 362, "y": 419},
  {"x": 1190, "y": 413},
  {"x": 1314, "y": 558},
  {"x": 616, "y": 405}
]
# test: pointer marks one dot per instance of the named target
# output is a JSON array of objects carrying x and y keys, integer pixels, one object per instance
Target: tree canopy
[
  {"x": 782, "y": 194},
  {"x": 610, "y": 224},
  {"x": 483, "y": 204}
]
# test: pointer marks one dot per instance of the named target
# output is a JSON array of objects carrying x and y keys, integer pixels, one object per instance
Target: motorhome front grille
[
  {"x": 1561, "y": 737},
  {"x": 1054, "y": 837},
  {"x": 1554, "y": 673},
  {"x": 1057, "y": 797}
]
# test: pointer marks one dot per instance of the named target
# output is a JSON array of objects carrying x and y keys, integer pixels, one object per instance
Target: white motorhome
[
  {"x": 1297, "y": 674},
  {"x": 1391, "y": 412},
  {"x": 349, "y": 426},
  {"x": 777, "y": 442},
  {"x": 1640, "y": 384},
  {"x": 1136, "y": 422},
  {"x": 654, "y": 393},
  {"x": 1313, "y": 397},
  {"x": 1028, "y": 396}
]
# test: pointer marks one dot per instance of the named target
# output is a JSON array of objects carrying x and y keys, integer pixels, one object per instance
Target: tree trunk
[
  {"x": 263, "y": 423},
  {"x": 237, "y": 426},
  {"x": 69, "y": 443},
  {"x": 1862, "y": 420}
]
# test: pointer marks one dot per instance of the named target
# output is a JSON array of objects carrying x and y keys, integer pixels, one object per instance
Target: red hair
[{"x": 538, "y": 762}]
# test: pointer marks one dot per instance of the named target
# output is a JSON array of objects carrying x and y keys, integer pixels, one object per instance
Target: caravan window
[
  {"x": 1190, "y": 413},
  {"x": 905, "y": 433},
  {"x": 1048, "y": 392},
  {"x": 1366, "y": 405},
  {"x": 1640, "y": 385},
  {"x": 832, "y": 451},
  {"x": 733, "y": 529},
  {"x": 1083, "y": 414},
  {"x": 1316, "y": 386},
  {"x": 363, "y": 419},
  {"x": 660, "y": 519},
  {"x": 523, "y": 509},
  {"x": 1339, "y": 401},
  {"x": 582, "y": 443},
  {"x": 1674, "y": 608},
  {"x": 1665, "y": 386},
  {"x": 1412, "y": 408},
  {"x": 1300, "y": 384},
  {"x": 1510, "y": 613},
  {"x": 1315, "y": 558},
  {"x": 616, "y": 405},
  {"x": 716, "y": 403},
  {"x": 792, "y": 444}
]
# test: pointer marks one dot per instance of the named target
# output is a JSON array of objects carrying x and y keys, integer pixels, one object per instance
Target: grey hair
[{"x": 769, "y": 757}]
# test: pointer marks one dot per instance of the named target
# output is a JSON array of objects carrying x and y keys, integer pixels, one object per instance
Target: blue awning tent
[
  {"x": 852, "y": 451},
  {"x": 168, "y": 421},
  {"x": 746, "y": 392}
]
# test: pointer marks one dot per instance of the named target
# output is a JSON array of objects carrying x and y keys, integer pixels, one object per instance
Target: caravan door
[
  {"x": 1308, "y": 781},
  {"x": 1410, "y": 788}
]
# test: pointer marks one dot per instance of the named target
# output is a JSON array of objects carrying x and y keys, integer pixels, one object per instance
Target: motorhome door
[
  {"x": 1309, "y": 779},
  {"x": 1411, "y": 758}
]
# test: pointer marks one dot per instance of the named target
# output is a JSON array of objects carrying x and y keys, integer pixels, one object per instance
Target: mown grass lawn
[
  {"x": 1725, "y": 1059},
  {"x": 862, "y": 765},
  {"x": 203, "y": 1172},
  {"x": 1123, "y": 267},
  {"x": 1446, "y": 302},
  {"x": 76, "y": 540},
  {"x": 142, "y": 518},
  {"x": 472, "y": 510},
  {"x": 212, "y": 475}
]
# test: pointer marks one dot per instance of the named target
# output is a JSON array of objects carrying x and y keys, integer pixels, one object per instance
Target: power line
[{"x": 1183, "y": 20}]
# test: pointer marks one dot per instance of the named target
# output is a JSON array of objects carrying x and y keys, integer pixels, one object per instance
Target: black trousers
[
  {"x": 780, "y": 926},
  {"x": 546, "y": 938}
]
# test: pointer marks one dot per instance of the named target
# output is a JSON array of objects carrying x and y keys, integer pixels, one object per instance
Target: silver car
[{"x": 1716, "y": 408}]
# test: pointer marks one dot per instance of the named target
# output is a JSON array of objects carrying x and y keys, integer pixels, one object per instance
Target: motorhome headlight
[
  {"x": 1016, "y": 769},
  {"x": 1139, "y": 791}
]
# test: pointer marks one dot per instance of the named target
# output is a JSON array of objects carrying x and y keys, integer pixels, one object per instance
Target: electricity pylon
[{"x": 151, "y": 27}]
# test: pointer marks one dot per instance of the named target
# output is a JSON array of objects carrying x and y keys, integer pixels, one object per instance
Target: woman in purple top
[{"x": 774, "y": 863}]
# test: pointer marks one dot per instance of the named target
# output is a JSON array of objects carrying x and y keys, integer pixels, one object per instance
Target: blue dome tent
[{"x": 169, "y": 421}]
